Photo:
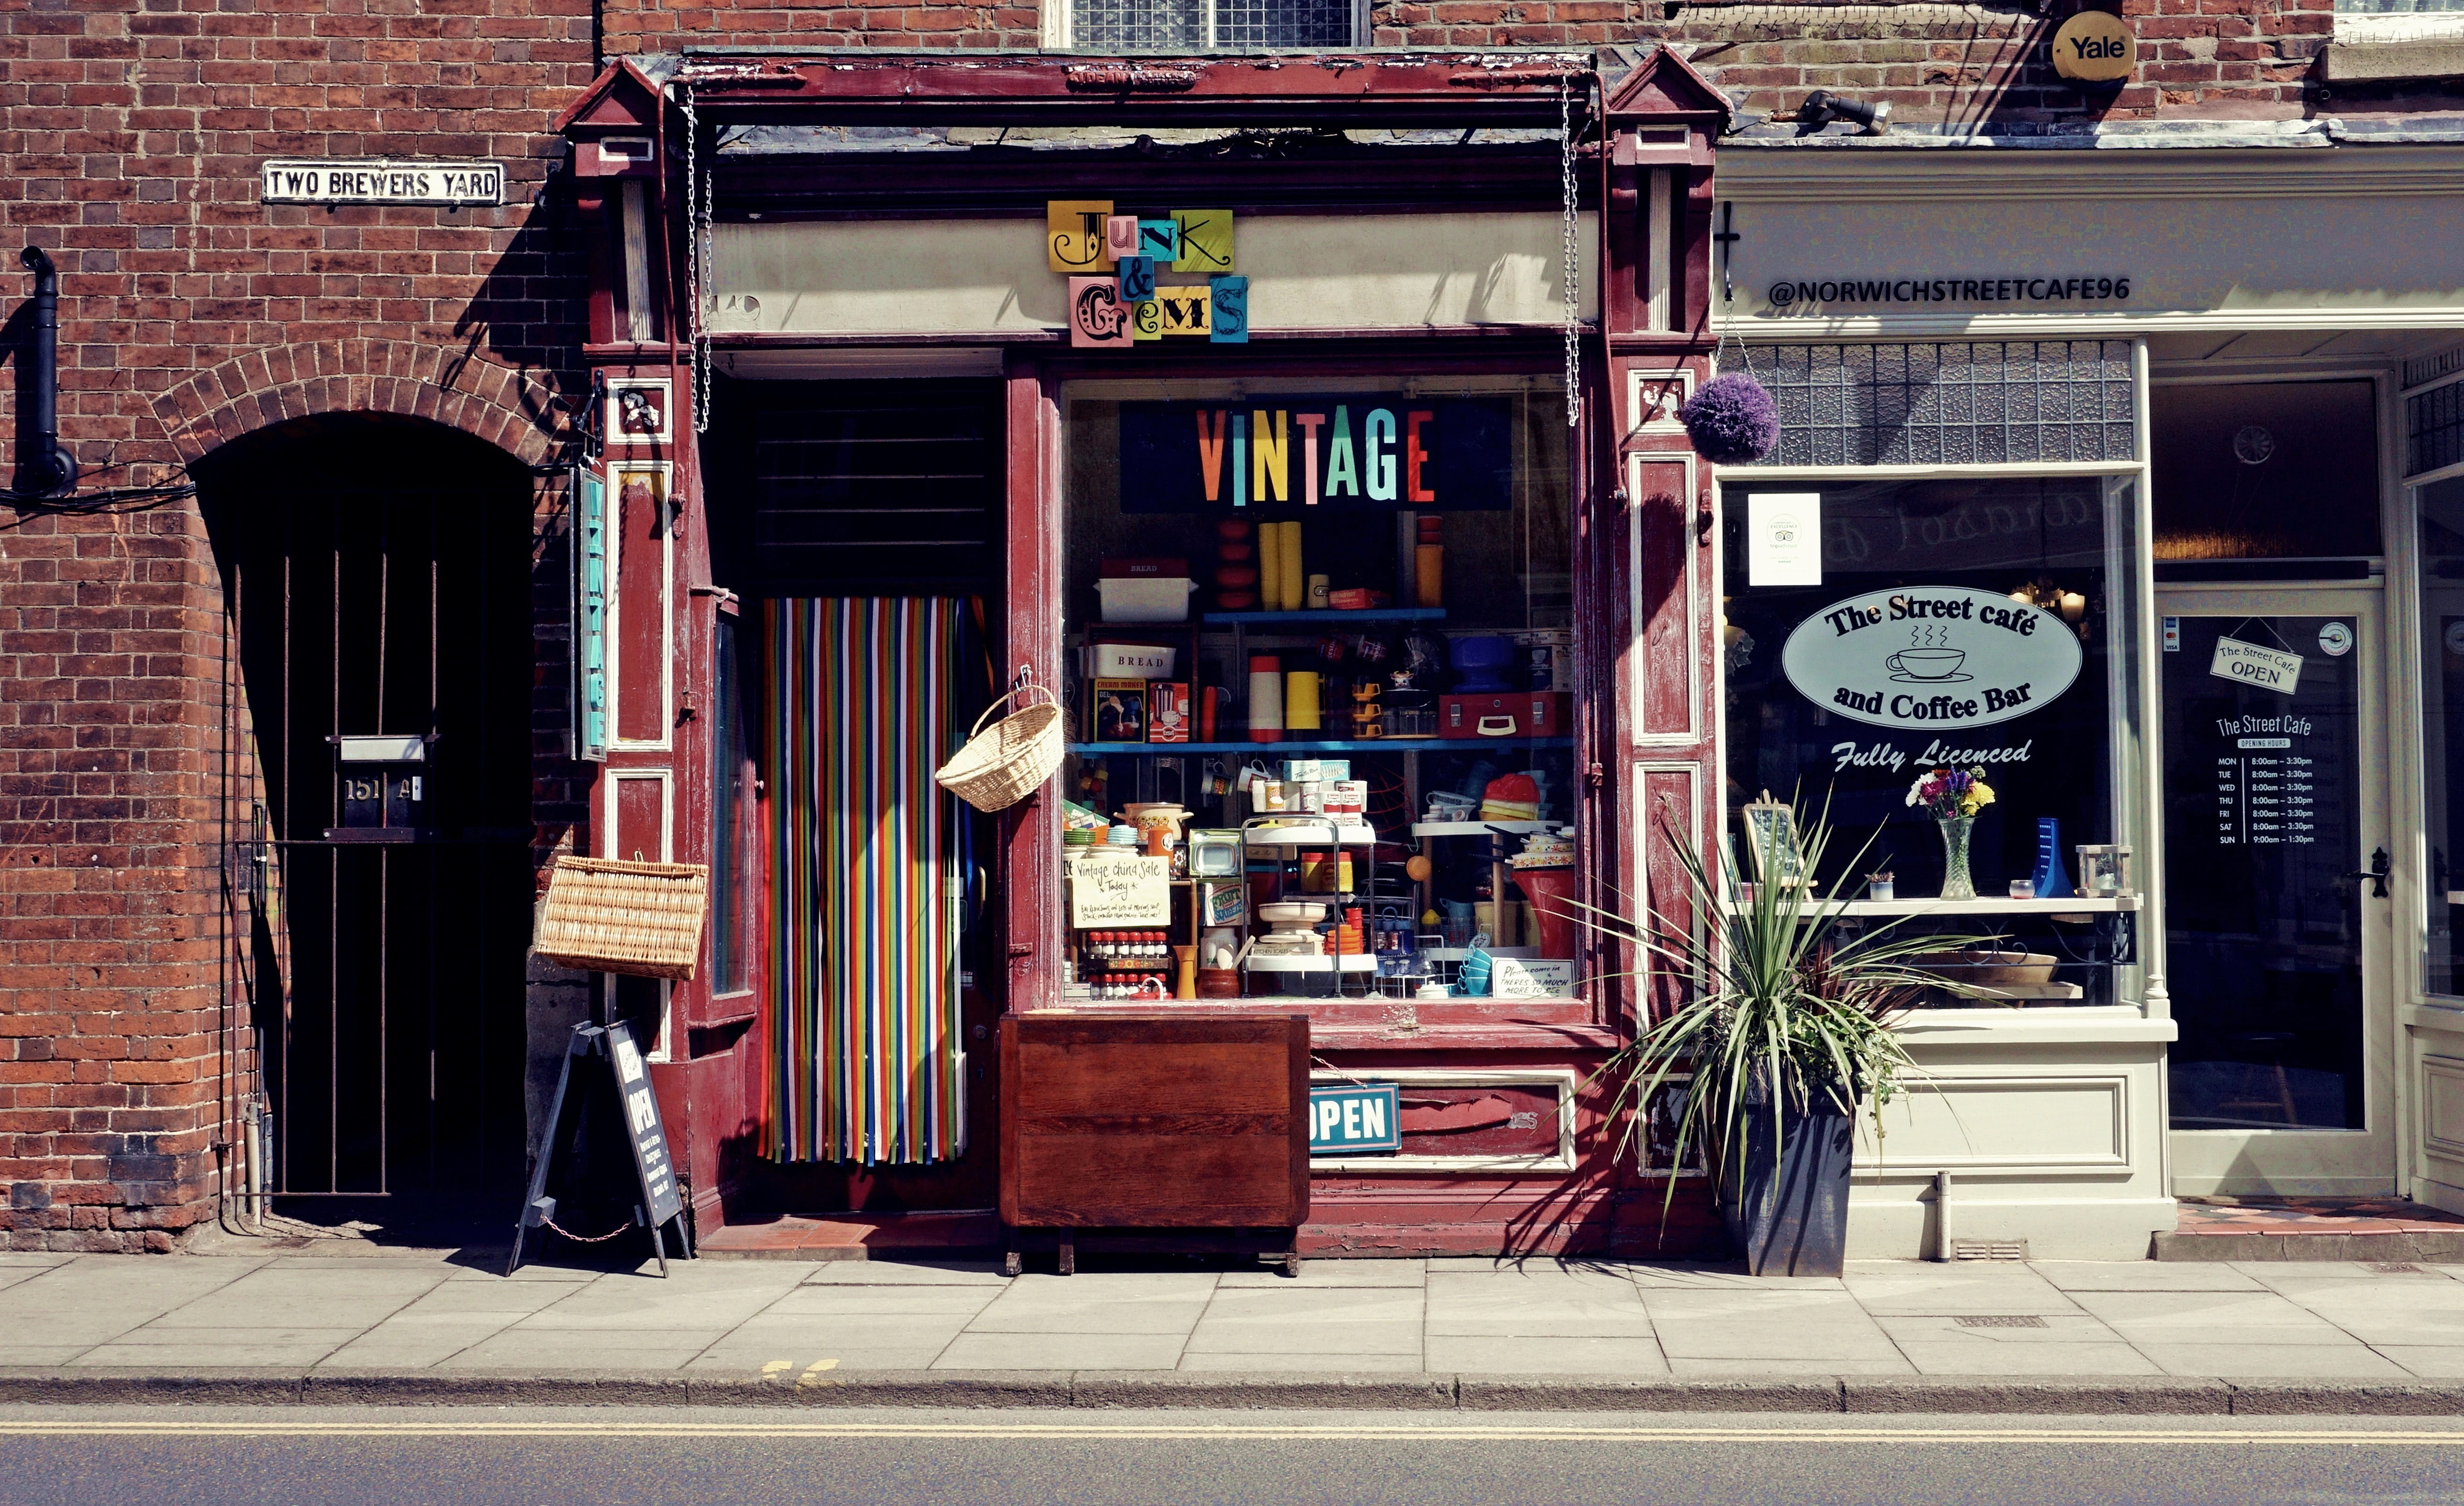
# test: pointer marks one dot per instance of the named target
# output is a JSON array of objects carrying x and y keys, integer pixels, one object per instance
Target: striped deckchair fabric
[{"x": 866, "y": 1054}]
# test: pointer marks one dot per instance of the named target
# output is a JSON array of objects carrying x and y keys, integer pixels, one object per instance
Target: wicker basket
[
  {"x": 607, "y": 916},
  {"x": 1003, "y": 765}
]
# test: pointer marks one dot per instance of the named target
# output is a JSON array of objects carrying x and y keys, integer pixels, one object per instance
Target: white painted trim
[
  {"x": 2324, "y": 317},
  {"x": 2449, "y": 1068},
  {"x": 1638, "y": 378},
  {"x": 1692, "y": 501},
  {"x": 1562, "y": 1078},
  {"x": 610, "y": 429},
  {"x": 1638, "y": 878},
  {"x": 1726, "y": 475},
  {"x": 2313, "y": 169},
  {"x": 617, "y": 543},
  {"x": 666, "y": 780},
  {"x": 1659, "y": 252},
  {"x": 1874, "y": 1163}
]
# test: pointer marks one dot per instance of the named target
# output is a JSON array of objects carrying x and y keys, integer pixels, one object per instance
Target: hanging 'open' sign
[{"x": 1356, "y": 1117}]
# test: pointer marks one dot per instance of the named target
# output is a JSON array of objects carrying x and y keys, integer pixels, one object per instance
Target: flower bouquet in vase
[{"x": 1952, "y": 797}]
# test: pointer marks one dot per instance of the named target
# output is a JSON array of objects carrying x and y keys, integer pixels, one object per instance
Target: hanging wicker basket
[
  {"x": 607, "y": 916},
  {"x": 1004, "y": 763}
]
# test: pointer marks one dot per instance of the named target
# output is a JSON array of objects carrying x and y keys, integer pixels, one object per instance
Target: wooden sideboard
[{"x": 1165, "y": 1121}]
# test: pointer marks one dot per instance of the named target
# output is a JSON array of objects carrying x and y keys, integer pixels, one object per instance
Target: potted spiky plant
[{"x": 1784, "y": 1031}]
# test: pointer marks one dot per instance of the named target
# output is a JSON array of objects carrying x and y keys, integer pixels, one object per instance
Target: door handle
[{"x": 2377, "y": 873}]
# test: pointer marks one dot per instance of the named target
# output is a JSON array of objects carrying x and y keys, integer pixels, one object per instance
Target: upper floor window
[
  {"x": 1212, "y": 25},
  {"x": 2398, "y": 20}
]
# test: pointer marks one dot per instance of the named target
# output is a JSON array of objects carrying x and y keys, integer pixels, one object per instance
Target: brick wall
[{"x": 130, "y": 133}]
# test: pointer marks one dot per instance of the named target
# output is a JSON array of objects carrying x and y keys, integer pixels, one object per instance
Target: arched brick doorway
[{"x": 375, "y": 708}]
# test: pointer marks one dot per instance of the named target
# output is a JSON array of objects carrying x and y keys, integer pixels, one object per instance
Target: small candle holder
[
  {"x": 2104, "y": 870},
  {"x": 1878, "y": 886},
  {"x": 2023, "y": 889}
]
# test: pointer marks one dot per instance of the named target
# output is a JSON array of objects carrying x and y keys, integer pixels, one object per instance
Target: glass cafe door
[{"x": 2276, "y": 955}]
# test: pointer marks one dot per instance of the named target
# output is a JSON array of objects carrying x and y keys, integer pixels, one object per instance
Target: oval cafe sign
[{"x": 1931, "y": 657}]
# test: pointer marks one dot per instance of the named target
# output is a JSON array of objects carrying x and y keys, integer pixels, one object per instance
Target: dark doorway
[{"x": 376, "y": 575}]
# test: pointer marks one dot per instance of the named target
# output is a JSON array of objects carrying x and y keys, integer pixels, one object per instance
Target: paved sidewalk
[{"x": 427, "y": 1314}]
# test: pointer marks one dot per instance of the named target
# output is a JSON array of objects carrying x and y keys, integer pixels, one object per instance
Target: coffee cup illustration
[{"x": 1926, "y": 663}]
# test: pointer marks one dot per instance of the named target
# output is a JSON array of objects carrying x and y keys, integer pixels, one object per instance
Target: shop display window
[
  {"x": 1986, "y": 628},
  {"x": 2265, "y": 471},
  {"x": 1319, "y": 655},
  {"x": 2441, "y": 507}
]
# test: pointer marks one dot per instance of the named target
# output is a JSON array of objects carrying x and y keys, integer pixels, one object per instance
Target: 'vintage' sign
[
  {"x": 320, "y": 182},
  {"x": 1353, "y": 452},
  {"x": 1931, "y": 657}
]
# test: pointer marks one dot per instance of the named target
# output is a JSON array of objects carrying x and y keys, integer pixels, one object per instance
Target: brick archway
[{"x": 519, "y": 411}]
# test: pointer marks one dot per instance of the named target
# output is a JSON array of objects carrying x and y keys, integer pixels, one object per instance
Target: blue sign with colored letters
[{"x": 1353, "y": 1117}]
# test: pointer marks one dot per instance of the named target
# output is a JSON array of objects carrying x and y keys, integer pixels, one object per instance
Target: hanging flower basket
[
  {"x": 1733, "y": 420},
  {"x": 607, "y": 916}
]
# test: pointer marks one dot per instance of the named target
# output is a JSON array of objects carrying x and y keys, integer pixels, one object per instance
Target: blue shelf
[
  {"x": 1268, "y": 619},
  {"x": 1272, "y": 749}
]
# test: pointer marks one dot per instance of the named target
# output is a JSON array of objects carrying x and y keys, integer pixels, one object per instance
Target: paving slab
[
  {"x": 88, "y": 1301},
  {"x": 1114, "y": 1351},
  {"x": 1974, "y": 1287},
  {"x": 44, "y": 1355},
  {"x": 1723, "y": 1276},
  {"x": 518, "y": 1349},
  {"x": 1550, "y": 1355},
  {"x": 2291, "y": 1275},
  {"x": 2210, "y": 1318},
  {"x": 1813, "y": 1306},
  {"x": 2144, "y": 1275},
  {"x": 1100, "y": 1303},
  {"x": 2068, "y": 1329},
  {"x": 458, "y": 1300},
  {"x": 718, "y": 1296},
  {"x": 219, "y": 1348},
  {"x": 1895, "y": 1363},
  {"x": 1965, "y": 1357},
  {"x": 333, "y": 1296},
  {"x": 905, "y": 1273},
  {"x": 2436, "y": 1362},
  {"x": 1343, "y": 1304},
  {"x": 1476, "y": 1305},
  {"x": 417, "y": 1346},
  {"x": 1316, "y": 1273},
  {"x": 1344, "y": 1362},
  {"x": 772, "y": 1335},
  {"x": 800, "y": 1374},
  {"x": 2347, "y": 1361},
  {"x": 812, "y": 1302}
]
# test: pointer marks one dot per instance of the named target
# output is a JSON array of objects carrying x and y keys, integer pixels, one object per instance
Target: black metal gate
[{"x": 376, "y": 715}]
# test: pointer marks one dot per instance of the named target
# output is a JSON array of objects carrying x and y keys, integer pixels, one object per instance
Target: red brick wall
[{"x": 130, "y": 134}]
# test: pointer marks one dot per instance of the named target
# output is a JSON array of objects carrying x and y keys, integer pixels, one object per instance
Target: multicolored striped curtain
[{"x": 865, "y": 881}]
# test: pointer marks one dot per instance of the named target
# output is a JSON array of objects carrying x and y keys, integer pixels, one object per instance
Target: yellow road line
[{"x": 181, "y": 1428}]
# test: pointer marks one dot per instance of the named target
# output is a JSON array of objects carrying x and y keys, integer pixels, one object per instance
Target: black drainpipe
[{"x": 43, "y": 468}]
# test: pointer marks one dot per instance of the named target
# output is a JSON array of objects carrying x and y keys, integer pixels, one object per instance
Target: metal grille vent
[
  {"x": 1989, "y": 1249},
  {"x": 1951, "y": 403},
  {"x": 2000, "y": 1321},
  {"x": 876, "y": 498}
]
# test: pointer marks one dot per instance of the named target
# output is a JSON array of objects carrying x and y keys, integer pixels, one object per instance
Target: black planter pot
[{"x": 1789, "y": 1218}]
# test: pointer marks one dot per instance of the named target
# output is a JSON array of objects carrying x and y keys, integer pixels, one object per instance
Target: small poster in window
[
  {"x": 1784, "y": 539},
  {"x": 1108, "y": 889},
  {"x": 1116, "y": 711}
]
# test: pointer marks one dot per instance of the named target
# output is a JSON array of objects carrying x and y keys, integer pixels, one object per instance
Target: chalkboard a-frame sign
[{"x": 645, "y": 1136}]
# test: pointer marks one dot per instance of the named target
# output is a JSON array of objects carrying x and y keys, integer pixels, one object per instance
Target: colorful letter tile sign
[
  {"x": 1085, "y": 237},
  {"x": 1075, "y": 231},
  {"x": 1205, "y": 240},
  {"x": 1098, "y": 319}
]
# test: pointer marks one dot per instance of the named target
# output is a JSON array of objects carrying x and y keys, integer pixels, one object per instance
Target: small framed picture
[
  {"x": 1653, "y": 398},
  {"x": 1117, "y": 711},
  {"x": 637, "y": 411}
]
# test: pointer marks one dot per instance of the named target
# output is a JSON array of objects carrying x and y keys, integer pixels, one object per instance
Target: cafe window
[
  {"x": 2247, "y": 473},
  {"x": 1983, "y": 625},
  {"x": 2442, "y": 723},
  {"x": 1320, "y": 648}
]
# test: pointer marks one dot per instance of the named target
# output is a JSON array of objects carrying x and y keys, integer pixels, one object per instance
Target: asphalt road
[{"x": 301, "y": 1456}]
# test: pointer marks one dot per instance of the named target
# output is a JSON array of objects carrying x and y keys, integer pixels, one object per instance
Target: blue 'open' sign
[{"x": 1355, "y": 1118}]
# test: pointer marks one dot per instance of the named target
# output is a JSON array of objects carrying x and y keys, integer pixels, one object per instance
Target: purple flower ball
[{"x": 1733, "y": 420}]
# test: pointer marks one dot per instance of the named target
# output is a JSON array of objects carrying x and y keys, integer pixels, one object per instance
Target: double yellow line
[{"x": 177, "y": 1426}]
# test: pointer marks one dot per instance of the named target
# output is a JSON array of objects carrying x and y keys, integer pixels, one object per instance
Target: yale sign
[{"x": 2094, "y": 47}]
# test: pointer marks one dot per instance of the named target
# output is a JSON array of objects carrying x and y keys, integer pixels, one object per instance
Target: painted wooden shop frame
[{"x": 1644, "y": 727}]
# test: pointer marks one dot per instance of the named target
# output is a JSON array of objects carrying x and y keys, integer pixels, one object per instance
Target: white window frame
[{"x": 1057, "y": 26}]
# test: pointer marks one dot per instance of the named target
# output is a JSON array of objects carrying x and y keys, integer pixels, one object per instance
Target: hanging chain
[
  {"x": 591, "y": 1239},
  {"x": 697, "y": 198},
  {"x": 1572, "y": 290}
]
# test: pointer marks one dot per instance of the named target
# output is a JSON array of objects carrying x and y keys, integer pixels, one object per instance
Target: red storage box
[{"x": 1513, "y": 714}]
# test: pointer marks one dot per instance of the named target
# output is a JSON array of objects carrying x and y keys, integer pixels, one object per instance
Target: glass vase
[{"x": 1955, "y": 882}]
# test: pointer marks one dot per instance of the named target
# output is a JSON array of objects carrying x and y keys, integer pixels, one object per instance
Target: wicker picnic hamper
[
  {"x": 607, "y": 916},
  {"x": 1004, "y": 763}
]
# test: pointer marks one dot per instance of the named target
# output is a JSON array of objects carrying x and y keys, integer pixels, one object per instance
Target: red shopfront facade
[{"x": 872, "y": 241}]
